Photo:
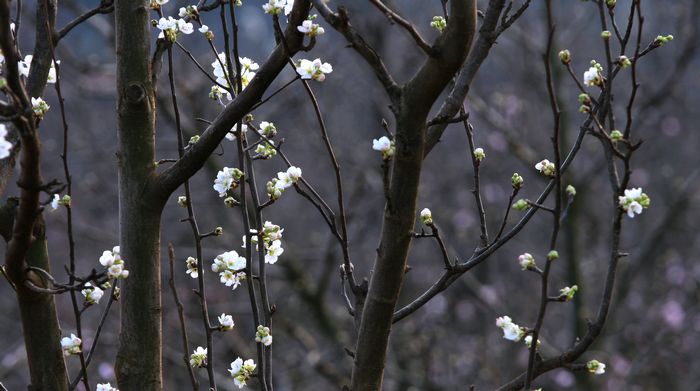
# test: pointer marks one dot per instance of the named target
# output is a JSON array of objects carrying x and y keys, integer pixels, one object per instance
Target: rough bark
[
  {"x": 417, "y": 98},
  {"x": 139, "y": 358},
  {"x": 22, "y": 225}
]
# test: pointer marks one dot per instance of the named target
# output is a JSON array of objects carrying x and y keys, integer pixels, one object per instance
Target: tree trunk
[{"x": 139, "y": 357}]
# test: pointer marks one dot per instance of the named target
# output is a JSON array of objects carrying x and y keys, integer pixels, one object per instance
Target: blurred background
[{"x": 651, "y": 339}]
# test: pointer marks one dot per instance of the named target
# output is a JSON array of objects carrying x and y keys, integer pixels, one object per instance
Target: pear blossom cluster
[
  {"x": 314, "y": 70},
  {"x": 546, "y": 167},
  {"x": 225, "y": 322},
  {"x": 285, "y": 179},
  {"x": 230, "y": 267},
  {"x": 242, "y": 371},
  {"x": 198, "y": 358},
  {"x": 92, "y": 294},
  {"x": 192, "y": 267},
  {"x": 188, "y": 11},
  {"x": 220, "y": 65},
  {"x": 266, "y": 149},
  {"x": 511, "y": 331},
  {"x": 227, "y": 179},
  {"x": 595, "y": 367},
  {"x": 263, "y": 336},
  {"x": 39, "y": 107},
  {"x": 276, "y": 7},
  {"x": 308, "y": 27},
  {"x": 271, "y": 236},
  {"x": 594, "y": 75},
  {"x": 5, "y": 146},
  {"x": 634, "y": 201},
  {"x": 71, "y": 345},
  {"x": 26, "y": 64},
  {"x": 385, "y": 146},
  {"x": 170, "y": 27},
  {"x": 105, "y": 387},
  {"x": 114, "y": 263}
]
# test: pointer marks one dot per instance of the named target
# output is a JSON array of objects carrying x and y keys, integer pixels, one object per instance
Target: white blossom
[
  {"x": 385, "y": 146},
  {"x": 273, "y": 252},
  {"x": 634, "y": 201},
  {"x": 225, "y": 322},
  {"x": 315, "y": 69},
  {"x": 204, "y": 29},
  {"x": 39, "y": 106},
  {"x": 227, "y": 179},
  {"x": 198, "y": 359},
  {"x": 71, "y": 345},
  {"x": 242, "y": 371},
  {"x": 192, "y": 268},
  {"x": 308, "y": 27},
  {"x": 105, "y": 387},
  {"x": 592, "y": 77},
  {"x": 54, "y": 201},
  {"x": 511, "y": 331},
  {"x": 92, "y": 294}
]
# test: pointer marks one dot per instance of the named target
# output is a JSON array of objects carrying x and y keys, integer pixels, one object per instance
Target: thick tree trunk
[
  {"x": 42, "y": 333},
  {"x": 139, "y": 357},
  {"x": 416, "y": 99}
]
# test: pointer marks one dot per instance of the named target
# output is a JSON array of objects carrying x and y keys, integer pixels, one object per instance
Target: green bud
[
  {"x": 565, "y": 56},
  {"x": 552, "y": 255},
  {"x": 605, "y": 34},
  {"x": 584, "y": 99},
  {"x": 479, "y": 154},
  {"x": 194, "y": 139},
  {"x": 521, "y": 205},
  {"x": 616, "y": 135},
  {"x": 3, "y": 83},
  {"x": 571, "y": 191},
  {"x": 439, "y": 23},
  {"x": 624, "y": 62},
  {"x": 230, "y": 202},
  {"x": 517, "y": 181},
  {"x": 611, "y": 3}
]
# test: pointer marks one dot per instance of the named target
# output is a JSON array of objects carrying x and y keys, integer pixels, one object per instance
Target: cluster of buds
[
  {"x": 517, "y": 181},
  {"x": 276, "y": 186},
  {"x": 39, "y": 107},
  {"x": 585, "y": 101},
  {"x": 438, "y": 23},
  {"x": 661, "y": 40},
  {"x": 114, "y": 263},
  {"x": 567, "y": 293},
  {"x": 263, "y": 336},
  {"x": 266, "y": 149}
]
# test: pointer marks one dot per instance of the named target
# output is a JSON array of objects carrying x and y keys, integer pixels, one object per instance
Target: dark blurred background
[{"x": 651, "y": 339}]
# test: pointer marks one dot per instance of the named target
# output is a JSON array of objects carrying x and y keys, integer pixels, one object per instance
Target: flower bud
[
  {"x": 218, "y": 231},
  {"x": 527, "y": 261},
  {"x": 610, "y": 3},
  {"x": 426, "y": 216},
  {"x": 182, "y": 201},
  {"x": 605, "y": 34},
  {"x": 553, "y": 255},
  {"x": 194, "y": 139},
  {"x": 565, "y": 56},
  {"x": 517, "y": 181},
  {"x": 571, "y": 191},
  {"x": 479, "y": 154},
  {"x": 230, "y": 202},
  {"x": 624, "y": 62},
  {"x": 616, "y": 135},
  {"x": 521, "y": 205}
]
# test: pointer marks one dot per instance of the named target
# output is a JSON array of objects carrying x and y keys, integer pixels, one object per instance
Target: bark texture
[
  {"x": 139, "y": 359},
  {"x": 416, "y": 99}
]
